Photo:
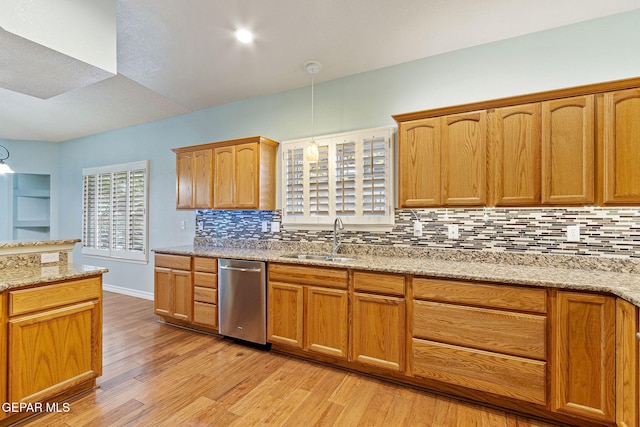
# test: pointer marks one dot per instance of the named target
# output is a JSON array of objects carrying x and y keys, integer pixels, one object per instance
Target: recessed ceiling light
[{"x": 244, "y": 36}]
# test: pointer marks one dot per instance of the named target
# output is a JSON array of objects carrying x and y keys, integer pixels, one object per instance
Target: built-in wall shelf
[{"x": 31, "y": 207}]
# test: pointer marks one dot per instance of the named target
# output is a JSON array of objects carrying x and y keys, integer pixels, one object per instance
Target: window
[
  {"x": 114, "y": 206},
  {"x": 352, "y": 179}
]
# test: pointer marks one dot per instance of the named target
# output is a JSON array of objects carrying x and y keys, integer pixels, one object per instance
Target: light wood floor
[{"x": 159, "y": 375}]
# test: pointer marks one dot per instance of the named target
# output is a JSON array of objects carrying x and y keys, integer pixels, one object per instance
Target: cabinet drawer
[
  {"x": 301, "y": 275},
  {"x": 175, "y": 262},
  {"x": 209, "y": 265},
  {"x": 509, "y": 376},
  {"x": 481, "y": 294},
  {"x": 205, "y": 295},
  {"x": 205, "y": 314},
  {"x": 35, "y": 299},
  {"x": 391, "y": 284},
  {"x": 513, "y": 333},
  {"x": 205, "y": 280}
]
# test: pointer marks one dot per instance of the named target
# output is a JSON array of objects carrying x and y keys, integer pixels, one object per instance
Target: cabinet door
[
  {"x": 247, "y": 158},
  {"x": 54, "y": 350},
  {"x": 419, "y": 181},
  {"x": 464, "y": 166},
  {"x": 285, "y": 316},
  {"x": 224, "y": 177},
  {"x": 583, "y": 372},
  {"x": 568, "y": 134},
  {"x": 378, "y": 331},
  {"x": 162, "y": 295},
  {"x": 182, "y": 295},
  {"x": 621, "y": 174},
  {"x": 515, "y": 142},
  {"x": 184, "y": 180},
  {"x": 326, "y": 322},
  {"x": 627, "y": 388},
  {"x": 203, "y": 179}
]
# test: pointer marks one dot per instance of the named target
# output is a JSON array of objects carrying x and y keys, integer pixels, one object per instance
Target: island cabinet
[
  {"x": 482, "y": 336},
  {"x": 54, "y": 339},
  {"x": 173, "y": 288},
  {"x": 620, "y": 175},
  {"x": 308, "y": 309},
  {"x": 627, "y": 364},
  {"x": 378, "y": 320},
  {"x": 194, "y": 179},
  {"x": 583, "y": 371}
]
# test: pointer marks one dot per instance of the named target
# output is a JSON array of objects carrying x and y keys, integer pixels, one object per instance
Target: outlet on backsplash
[{"x": 452, "y": 231}]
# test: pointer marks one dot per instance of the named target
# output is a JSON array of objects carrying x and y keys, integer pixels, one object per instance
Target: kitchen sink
[{"x": 319, "y": 257}]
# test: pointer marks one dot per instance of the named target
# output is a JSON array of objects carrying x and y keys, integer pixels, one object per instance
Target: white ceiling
[{"x": 177, "y": 56}]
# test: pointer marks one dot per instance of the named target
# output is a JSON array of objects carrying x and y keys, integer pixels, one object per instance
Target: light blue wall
[{"x": 595, "y": 51}]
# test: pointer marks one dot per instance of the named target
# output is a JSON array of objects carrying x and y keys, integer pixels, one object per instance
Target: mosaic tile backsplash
[{"x": 608, "y": 232}]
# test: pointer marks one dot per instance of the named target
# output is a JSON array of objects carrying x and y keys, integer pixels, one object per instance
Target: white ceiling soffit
[
  {"x": 48, "y": 47},
  {"x": 180, "y": 56}
]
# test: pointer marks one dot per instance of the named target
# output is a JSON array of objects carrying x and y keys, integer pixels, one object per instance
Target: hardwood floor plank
[{"x": 158, "y": 375}]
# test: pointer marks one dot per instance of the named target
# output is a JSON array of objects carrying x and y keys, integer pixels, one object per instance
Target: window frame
[
  {"x": 298, "y": 172},
  {"x": 101, "y": 236}
]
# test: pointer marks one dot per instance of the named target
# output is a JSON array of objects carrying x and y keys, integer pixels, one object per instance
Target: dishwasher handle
[{"x": 244, "y": 270}]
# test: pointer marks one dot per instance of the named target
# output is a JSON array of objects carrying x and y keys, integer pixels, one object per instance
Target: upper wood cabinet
[
  {"x": 234, "y": 174},
  {"x": 194, "y": 179},
  {"x": 515, "y": 155},
  {"x": 620, "y": 174},
  {"x": 419, "y": 147},
  {"x": 568, "y": 134},
  {"x": 442, "y": 161},
  {"x": 464, "y": 148}
]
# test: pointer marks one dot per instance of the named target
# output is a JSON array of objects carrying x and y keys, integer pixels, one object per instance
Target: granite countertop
[
  {"x": 18, "y": 277},
  {"x": 18, "y": 244},
  {"x": 624, "y": 285}
]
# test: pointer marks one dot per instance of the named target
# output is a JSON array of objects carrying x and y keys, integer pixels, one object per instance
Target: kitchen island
[
  {"x": 51, "y": 328},
  {"x": 549, "y": 336}
]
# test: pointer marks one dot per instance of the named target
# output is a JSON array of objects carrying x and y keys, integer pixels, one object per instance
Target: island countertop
[
  {"x": 623, "y": 285},
  {"x": 37, "y": 275}
]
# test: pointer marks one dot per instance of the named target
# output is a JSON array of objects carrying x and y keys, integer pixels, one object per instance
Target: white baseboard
[{"x": 127, "y": 291}]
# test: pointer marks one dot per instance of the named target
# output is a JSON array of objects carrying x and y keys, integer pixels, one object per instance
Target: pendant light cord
[{"x": 312, "y": 103}]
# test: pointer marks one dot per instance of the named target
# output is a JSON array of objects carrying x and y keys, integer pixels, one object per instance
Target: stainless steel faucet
[{"x": 336, "y": 244}]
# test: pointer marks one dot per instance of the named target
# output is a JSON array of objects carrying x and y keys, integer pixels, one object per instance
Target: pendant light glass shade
[
  {"x": 4, "y": 168},
  {"x": 311, "y": 152}
]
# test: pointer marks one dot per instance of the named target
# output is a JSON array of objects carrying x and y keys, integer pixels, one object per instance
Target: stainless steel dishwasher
[{"x": 242, "y": 300}]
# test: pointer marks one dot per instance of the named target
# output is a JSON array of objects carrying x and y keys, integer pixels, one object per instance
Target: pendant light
[
  {"x": 4, "y": 168},
  {"x": 312, "y": 152}
]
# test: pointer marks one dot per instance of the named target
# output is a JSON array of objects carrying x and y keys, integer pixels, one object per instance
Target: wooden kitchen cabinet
[
  {"x": 486, "y": 337},
  {"x": 515, "y": 155},
  {"x": 619, "y": 172},
  {"x": 568, "y": 148},
  {"x": 627, "y": 364},
  {"x": 173, "y": 287},
  {"x": 583, "y": 349},
  {"x": 378, "y": 320},
  {"x": 464, "y": 147},
  {"x": 194, "y": 179},
  {"x": 308, "y": 309},
  {"x": 245, "y": 174},
  {"x": 205, "y": 292},
  {"x": 55, "y": 336},
  {"x": 419, "y": 147}
]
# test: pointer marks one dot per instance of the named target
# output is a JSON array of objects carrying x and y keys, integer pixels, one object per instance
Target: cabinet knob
[{"x": 638, "y": 335}]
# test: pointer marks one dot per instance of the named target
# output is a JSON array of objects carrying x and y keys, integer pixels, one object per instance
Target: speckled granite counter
[
  {"x": 552, "y": 274},
  {"x": 37, "y": 275}
]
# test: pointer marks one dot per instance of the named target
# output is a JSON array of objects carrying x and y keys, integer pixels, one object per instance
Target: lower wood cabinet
[
  {"x": 583, "y": 374},
  {"x": 627, "y": 364},
  {"x": 173, "y": 287},
  {"x": 55, "y": 339},
  {"x": 308, "y": 309},
  {"x": 378, "y": 320},
  {"x": 205, "y": 292}
]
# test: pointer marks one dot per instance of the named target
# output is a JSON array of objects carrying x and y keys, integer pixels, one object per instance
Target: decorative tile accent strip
[{"x": 604, "y": 232}]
